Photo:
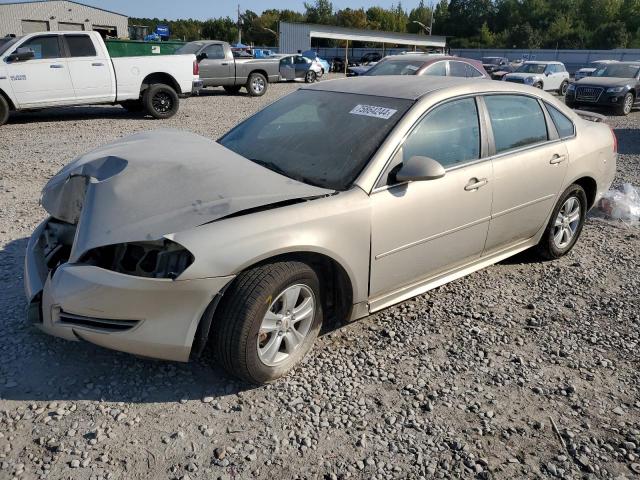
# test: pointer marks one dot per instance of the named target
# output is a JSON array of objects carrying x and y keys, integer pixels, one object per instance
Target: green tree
[
  {"x": 321, "y": 11},
  {"x": 351, "y": 18}
]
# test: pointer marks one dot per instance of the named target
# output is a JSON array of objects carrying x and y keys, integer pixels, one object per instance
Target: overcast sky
[{"x": 203, "y": 9}]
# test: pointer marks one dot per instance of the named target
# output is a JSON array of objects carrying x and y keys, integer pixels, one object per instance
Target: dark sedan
[
  {"x": 425, "y": 64},
  {"x": 614, "y": 85}
]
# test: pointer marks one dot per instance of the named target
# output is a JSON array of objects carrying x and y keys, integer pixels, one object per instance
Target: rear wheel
[
  {"x": 232, "y": 89},
  {"x": 565, "y": 225},
  {"x": 160, "y": 101},
  {"x": 269, "y": 320},
  {"x": 4, "y": 110},
  {"x": 627, "y": 104},
  {"x": 256, "y": 85}
]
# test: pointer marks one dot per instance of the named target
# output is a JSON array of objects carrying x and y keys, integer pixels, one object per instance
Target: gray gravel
[{"x": 525, "y": 369}]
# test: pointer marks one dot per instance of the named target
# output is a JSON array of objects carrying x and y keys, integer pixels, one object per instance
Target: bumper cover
[{"x": 163, "y": 314}]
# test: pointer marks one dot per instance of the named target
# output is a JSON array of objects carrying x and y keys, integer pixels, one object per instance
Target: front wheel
[
  {"x": 565, "y": 225},
  {"x": 4, "y": 111},
  {"x": 627, "y": 104},
  {"x": 563, "y": 88},
  {"x": 160, "y": 101},
  {"x": 310, "y": 77},
  {"x": 256, "y": 85},
  {"x": 538, "y": 85},
  {"x": 269, "y": 320}
]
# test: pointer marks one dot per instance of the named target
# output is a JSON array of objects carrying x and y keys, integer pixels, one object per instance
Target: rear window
[{"x": 80, "y": 46}]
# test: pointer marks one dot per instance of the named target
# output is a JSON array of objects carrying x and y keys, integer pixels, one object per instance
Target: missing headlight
[{"x": 158, "y": 259}]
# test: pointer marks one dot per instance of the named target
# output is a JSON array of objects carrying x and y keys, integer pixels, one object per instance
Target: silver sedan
[{"x": 165, "y": 243}]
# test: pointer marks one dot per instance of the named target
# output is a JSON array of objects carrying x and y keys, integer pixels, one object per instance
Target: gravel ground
[{"x": 525, "y": 369}]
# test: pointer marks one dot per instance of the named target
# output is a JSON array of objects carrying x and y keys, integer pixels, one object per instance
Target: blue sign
[{"x": 163, "y": 31}]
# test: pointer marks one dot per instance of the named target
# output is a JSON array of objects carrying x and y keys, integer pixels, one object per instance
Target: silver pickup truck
[{"x": 219, "y": 68}]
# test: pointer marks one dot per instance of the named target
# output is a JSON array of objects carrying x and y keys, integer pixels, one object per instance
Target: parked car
[
  {"x": 370, "y": 57},
  {"x": 338, "y": 64},
  {"x": 164, "y": 242},
  {"x": 324, "y": 64},
  {"x": 614, "y": 85},
  {"x": 53, "y": 69},
  {"x": 549, "y": 76},
  {"x": 219, "y": 67},
  {"x": 294, "y": 67},
  {"x": 493, "y": 64},
  {"x": 359, "y": 70},
  {"x": 588, "y": 71},
  {"x": 499, "y": 74},
  {"x": 426, "y": 64}
]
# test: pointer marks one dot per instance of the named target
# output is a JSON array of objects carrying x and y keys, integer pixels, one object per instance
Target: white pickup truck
[{"x": 52, "y": 69}]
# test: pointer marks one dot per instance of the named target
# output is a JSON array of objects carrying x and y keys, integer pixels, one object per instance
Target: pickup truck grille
[
  {"x": 588, "y": 94},
  {"x": 515, "y": 80}
]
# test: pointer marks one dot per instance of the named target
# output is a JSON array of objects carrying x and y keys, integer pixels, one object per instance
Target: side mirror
[
  {"x": 21, "y": 55},
  {"x": 201, "y": 56},
  {"x": 420, "y": 168}
]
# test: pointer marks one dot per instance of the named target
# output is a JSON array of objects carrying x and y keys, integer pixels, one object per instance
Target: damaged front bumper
[{"x": 151, "y": 317}]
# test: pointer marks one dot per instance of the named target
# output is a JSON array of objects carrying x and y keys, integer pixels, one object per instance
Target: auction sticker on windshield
[{"x": 373, "y": 111}]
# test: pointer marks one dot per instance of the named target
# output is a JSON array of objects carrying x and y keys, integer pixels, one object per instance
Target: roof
[{"x": 68, "y": 1}]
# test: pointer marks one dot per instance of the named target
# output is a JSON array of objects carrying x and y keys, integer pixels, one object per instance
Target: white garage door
[
  {"x": 70, "y": 26},
  {"x": 33, "y": 26}
]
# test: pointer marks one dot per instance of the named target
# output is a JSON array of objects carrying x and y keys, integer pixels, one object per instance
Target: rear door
[
  {"x": 44, "y": 79},
  {"x": 301, "y": 65},
  {"x": 216, "y": 67},
  {"x": 90, "y": 69},
  {"x": 529, "y": 167}
]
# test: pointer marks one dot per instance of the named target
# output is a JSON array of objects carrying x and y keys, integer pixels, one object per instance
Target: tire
[
  {"x": 563, "y": 88},
  {"x": 321, "y": 74},
  {"x": 310, "y": 77},
  {"x": 133, "y": 106},
  {"x": 256, "y": 84},
  {"x": 538, "y": 85},
  {"x": 626, "y": 106},
  {"x": 160, "y": 101},
  {"x": 232, "y": 89},
  {"x": 242, "y": 344},
  {"x": 4, "y": 111},
  {"x": 549, "y": 247}
]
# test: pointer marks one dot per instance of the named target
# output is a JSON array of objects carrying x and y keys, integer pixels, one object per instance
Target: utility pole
[{"x": 239, "y": 26}]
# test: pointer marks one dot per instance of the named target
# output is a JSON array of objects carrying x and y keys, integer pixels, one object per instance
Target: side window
[
  {"x": 517, "y": 121},
  {"x": 286, "y": 61},
  {"x": 214, "y": 52},
  {"x": 472, "y": 72},
  {"x": 44, "y": 47},
  {"x": 80, "y": 46},
  {"x": 457, "y": 69},
  {"x": 449, "y": 134},
  {"x": 438, "y": 69},
  {"x": 563, "y": 124}
]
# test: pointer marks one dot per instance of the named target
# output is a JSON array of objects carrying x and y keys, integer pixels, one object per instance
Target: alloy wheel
[
  {"x": 567, "y": 222},
  {"x": 258, "y": 85},
  {"x": 162, "y": 102},
  {"x": 286, "y": 324},
  {"x": 628, "y": 103}
]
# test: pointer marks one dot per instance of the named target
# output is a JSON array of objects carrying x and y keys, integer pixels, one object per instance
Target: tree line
[{"x": 599, "y": 24}]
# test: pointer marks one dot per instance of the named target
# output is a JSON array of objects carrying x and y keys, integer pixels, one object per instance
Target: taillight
[
  {"x": 196, "y": 67},
  {"x": 615, "y": 140}
]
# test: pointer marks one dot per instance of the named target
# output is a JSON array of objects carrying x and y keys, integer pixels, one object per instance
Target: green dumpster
[{"x": 138, "y": 48}]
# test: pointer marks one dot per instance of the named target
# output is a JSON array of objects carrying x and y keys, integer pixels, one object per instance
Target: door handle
[
  {"x": 475, "y": 184},
  {"x": 224, "y": 64},
  {"x": 557, "y": 159},
  {"x": 98, "y": 64},
  {"x": 56, "y": 65}
]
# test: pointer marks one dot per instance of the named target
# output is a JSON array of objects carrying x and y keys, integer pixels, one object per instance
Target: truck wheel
[
  {"x": 133, "y": 106},
  {"x": 4, "y": 110},
  {"x": 268, "y": 321},
  {"x": 625, "y": 107},
  {"x": 232, "y": 89},
  {"x": 160, "y": 101},
  {"x": 256, "y": 85},
  {"x": 310, "y": 77}
]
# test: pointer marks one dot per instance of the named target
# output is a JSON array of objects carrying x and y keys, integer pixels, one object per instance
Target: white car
[
  {"x": 588, "y": 71},
  {"x": 52, "y": 69},
  {"x": 549, "y": 76}
]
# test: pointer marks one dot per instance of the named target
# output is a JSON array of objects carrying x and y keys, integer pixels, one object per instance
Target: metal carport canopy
[{"x": 339, "y": 33}]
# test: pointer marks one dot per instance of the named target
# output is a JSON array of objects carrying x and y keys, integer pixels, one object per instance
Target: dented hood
[{"x": 155, "y": 183}]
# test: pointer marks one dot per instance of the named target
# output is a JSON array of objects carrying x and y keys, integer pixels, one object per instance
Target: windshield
[
  {"x": 532, "y": 68},
  {"x": 189, "y": 48},
  {"x": 7, "y": 42},
  {"x": 320, "y": 138},
  {"x": 617, "y": 70},
  {"x": 491, "y": 60},
  {"x": 396, "y": 67}
]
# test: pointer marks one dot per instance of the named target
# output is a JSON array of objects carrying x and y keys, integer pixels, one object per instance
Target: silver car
[{"x": 165, "y": 242}]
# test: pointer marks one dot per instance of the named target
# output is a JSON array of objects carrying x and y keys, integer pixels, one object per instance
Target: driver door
[
  {"x": 423, "y": 228},
  {"x": 287, "y": 70},
  {"x": 216, "y": 66},
  {"x": 553, "y": 79},
  {"x": 44, "y": 79}
]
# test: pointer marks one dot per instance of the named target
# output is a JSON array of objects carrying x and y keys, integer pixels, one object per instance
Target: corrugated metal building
[
  {"x": 41, "y": 16},
  {"x": 294, "y": 37}
]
